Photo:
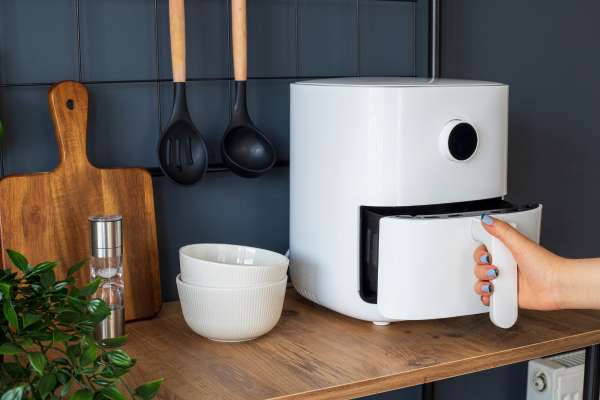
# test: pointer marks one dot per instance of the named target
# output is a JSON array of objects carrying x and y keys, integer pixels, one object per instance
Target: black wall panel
[
  {"x": 118, "y": 40},
  {"x": 37, "y": 41},
  {"x": 546, "y": 50},
  {"x": 121, "y": 49}
]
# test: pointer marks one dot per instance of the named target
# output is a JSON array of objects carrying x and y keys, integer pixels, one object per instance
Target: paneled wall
[
  {"x": 546, "y": 50},
  {"x": 548, "y": 55},
  {"x": 120, "y": 49}
]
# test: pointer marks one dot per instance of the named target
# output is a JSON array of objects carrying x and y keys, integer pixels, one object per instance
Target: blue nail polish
[
  {"x": 485, "y": 259},
  {"x": 486, "y": 219},
  {"x": 487, "y": 289},
  {"x": 492, "y": 273}
]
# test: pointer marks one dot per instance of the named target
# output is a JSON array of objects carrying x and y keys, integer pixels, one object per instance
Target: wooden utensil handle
[
  {"x": 177, "y": 29},
  {"x": 68, "y": 103},
  {"x": 239, "y": 35}
]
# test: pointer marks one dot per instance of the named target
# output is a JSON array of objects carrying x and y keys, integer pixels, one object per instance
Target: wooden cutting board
[{"x": 45, "y": 215}]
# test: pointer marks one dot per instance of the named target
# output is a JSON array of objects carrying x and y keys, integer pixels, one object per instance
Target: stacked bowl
[{"x": 231, "y": 293}]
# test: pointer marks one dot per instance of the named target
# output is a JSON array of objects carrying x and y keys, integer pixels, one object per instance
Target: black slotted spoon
[{"x": 182, "y": 150}]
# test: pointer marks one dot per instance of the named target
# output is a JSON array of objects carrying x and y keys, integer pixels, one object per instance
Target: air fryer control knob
[{"x": 459, "y": 140}]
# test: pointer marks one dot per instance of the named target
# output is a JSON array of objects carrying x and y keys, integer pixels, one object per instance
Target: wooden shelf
[{"x": 314, "y": 353}]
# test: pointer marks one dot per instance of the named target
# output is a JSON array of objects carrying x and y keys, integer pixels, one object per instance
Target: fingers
[
  {"x": 516, "y": 242},
  {"x": 485, "y": 300},
  {"x": 481, "y": 256},
  {"x": 484, "y": 288},
  {"x": 486, "y": 272}
]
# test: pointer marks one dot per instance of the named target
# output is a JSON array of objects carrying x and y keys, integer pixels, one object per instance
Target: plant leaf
[
  {"x": 89, "y": 354},
  {"x": 26, "y": 342},
  {"x": 60, "y": 285},
  {"x": 148, "y": 390},
  {"x": 1, "y": 131},
  {"x": 63, "y": 375},
  {"x": 15, "y": 393},
  {"x": 111, "y": 392},
  {"x": 98, "y": 309},
  {"x": 114, "y": 342},
  {"x": 60, "y": 337},
  {"x": 30, "y": 319},
  {"x": 90, "y": 288},
  {"x": 103, "y": 382},
  {"x": 119, "y": 358},
  {"x": 18, "y": 260},
  {"x": 9, "y": 313},
  {"x": 76, "y": 267},
  {"x": 74, "y": 351},
  {"x": 112, "y": 372},
  {"x": 5, "y": 289},
  {"x": 60, "y": 361},
  {"x": 41, "y": 268},
  {"x": 10, "y": 349},
  {"x": 65, "y": 389},
  {"x": 46, "y": 385},
  {"x": 14, "y": 370},
  {"x": 47, "y": 278},
  {"x": 68, "y": 316},
  {"x": 82, "y": 394},
  {"x": 38, "y": 361}
]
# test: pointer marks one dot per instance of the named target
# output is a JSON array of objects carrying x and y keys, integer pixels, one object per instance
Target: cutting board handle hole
[{"x": 70, "y": 104}]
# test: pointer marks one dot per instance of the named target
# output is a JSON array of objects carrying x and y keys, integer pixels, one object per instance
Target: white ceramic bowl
[
  {"x": 227, "y": 265},
  {"x": 231, "y": 314}
]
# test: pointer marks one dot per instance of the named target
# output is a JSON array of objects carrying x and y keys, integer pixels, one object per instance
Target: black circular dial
[{"x": 462, "y": 141}]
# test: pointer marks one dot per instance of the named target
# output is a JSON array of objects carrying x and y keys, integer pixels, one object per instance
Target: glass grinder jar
[{"x": 107, "y": 263}]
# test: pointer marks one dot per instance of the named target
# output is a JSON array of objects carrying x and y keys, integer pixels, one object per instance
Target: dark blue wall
[
  {"x": 547, "y": 51},
  {"x": 544, "y": 49},
  {"x": 110, "y": 43}
]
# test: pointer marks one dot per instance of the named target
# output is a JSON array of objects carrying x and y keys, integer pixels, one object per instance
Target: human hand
[{"x": 538, "y": 268}]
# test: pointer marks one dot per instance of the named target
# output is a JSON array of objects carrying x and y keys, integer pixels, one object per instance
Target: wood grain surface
[
  {"x": 177, "y": 36},
  {"x": 314, "y": 353},
  {"x": 239, "y": 37},
  {"x": 45, "y": 215}
]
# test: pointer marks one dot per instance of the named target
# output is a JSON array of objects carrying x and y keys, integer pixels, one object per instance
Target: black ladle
[
  {"x": 244, "y": 148},
  {"x": 182, "y": 150}
]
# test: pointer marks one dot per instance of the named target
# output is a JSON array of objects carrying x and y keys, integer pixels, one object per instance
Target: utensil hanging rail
[{"x": 216, "y": 167}]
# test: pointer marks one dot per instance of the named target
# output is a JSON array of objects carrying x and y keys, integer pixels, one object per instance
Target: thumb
[{"x": 516, "y": 242}]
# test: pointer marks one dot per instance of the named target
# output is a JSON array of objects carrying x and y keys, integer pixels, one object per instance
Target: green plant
[{"x": 46, "y": 339}]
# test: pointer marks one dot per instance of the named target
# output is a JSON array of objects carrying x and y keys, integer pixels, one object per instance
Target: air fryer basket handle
[{"x": 504, "y": 303}]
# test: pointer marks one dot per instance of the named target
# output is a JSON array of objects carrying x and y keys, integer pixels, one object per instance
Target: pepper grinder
[{"x": 107, "y": 263}]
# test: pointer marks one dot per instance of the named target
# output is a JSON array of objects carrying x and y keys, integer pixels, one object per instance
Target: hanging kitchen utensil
[
  {"x": 245, "y": 149},
  {"x": 182, "y": 150},
  {"x": 45, "y": 215}
]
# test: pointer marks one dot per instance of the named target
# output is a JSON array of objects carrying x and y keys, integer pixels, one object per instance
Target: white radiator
[{"x": 557, "y": 377}]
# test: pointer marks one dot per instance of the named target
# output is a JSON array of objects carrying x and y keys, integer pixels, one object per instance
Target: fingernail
[
  {"x": 482, "y": 302},
  {"x": 486, "y": 219},
  {"x": 492, "y": 273},
  {"x": 485, "y": 258},
  {"x": 487, "y": 288}
]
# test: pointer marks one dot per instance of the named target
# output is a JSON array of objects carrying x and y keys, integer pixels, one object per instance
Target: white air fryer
[{"x": 389, "y": 177}]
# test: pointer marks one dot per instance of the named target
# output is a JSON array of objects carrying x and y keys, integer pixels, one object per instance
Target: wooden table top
[{"x": 314, "y": 353}]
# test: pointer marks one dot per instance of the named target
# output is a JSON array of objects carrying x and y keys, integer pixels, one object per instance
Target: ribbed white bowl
[
  {"x": 231, "y": 314},
  {"x": 226, "y": 265}
]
